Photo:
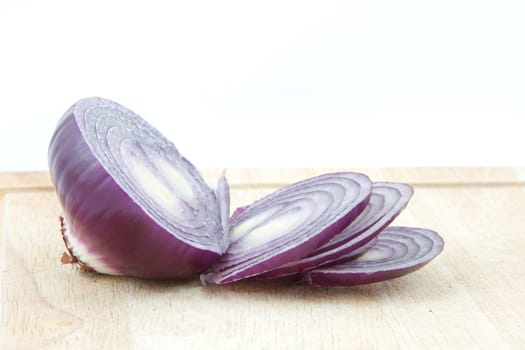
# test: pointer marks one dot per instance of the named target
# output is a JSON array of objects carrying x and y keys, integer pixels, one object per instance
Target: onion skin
[{"x": 117, "y": 234}]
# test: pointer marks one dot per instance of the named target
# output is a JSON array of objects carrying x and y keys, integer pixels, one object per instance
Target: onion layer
[
  {"x": 132, "y": 204},
  {"x": 386, "y": 202},
  {"x": 397, "y": 252},
  {"x": 289, "y": 223}
]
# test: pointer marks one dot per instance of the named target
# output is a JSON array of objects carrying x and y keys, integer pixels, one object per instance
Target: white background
[{"x": 275, "y": 83}]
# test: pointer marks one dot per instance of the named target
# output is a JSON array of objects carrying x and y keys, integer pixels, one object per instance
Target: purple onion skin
[
  {"x": 314, "y": 278},
  {"x": 104, "y": 219}
]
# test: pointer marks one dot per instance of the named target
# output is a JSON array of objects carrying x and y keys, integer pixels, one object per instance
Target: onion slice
[
  {"x": 289, "y": 223},
  {"x": 132, "y": 204},
  {"x": 386, "y": 203},
  {"x": 397, "y": 252}
]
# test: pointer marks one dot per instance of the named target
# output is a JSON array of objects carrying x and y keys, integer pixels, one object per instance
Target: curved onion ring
[
  {"x": 397, "y": 252},
  {"x": 386, "y": 203}
]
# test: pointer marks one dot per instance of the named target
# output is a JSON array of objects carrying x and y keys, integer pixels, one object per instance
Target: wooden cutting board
[{"x": 471, "y": 297}]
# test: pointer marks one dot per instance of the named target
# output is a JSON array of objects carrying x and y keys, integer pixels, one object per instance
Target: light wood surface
[{"x": 471, "y": 297}]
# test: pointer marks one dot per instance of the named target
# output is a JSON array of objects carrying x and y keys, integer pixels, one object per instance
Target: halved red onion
[
  {"x": 132, "y": 204},
  {"x": 289, "y": 223},
  {"x": 397, "y": 252},
  {"x": 386, "y": 202}
]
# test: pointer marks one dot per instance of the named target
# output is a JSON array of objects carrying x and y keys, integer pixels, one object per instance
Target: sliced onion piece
[
  {"x": 357, "y": 252},
  {"x": 132, "y": 204},
  {"x": 222, "y": 192},
  {"x": 397, "y": 252},
  {"x": 289, "y": 223},
  {"x": 386, "y": 203}
]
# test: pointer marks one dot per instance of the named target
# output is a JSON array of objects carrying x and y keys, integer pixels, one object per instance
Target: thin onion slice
[
  {"x": 289, "y": 223},
  {"x": 356, "y": 252},
  {"x": 397, "y": 252},
  {"x": 386, "y": 203},
  {"x": 132, "y": 204}
]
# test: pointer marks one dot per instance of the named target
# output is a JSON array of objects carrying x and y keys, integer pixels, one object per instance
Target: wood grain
[
  {"x": 278, "y": 177},
  {"x": 24, "y": 181},
  {"x": 470, "y": 297}
]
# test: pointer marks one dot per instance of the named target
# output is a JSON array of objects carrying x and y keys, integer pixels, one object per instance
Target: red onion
[
  {"x": 386, "y": 202},
  {"x": 397, "y": 252},
  {"x": 290, "y": 223},
  {"x": 132, "y": 204}
]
